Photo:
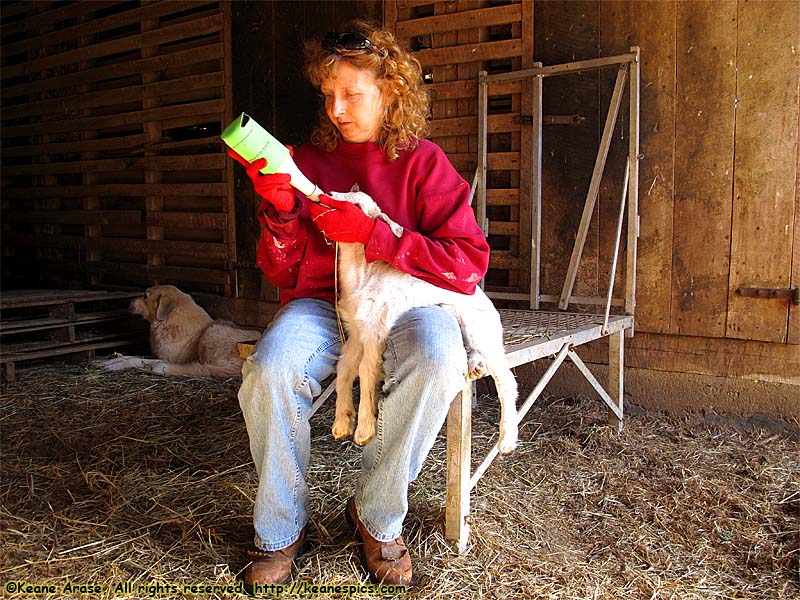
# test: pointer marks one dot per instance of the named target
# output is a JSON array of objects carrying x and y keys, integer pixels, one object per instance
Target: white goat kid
[{"x": 372, "y": 297}]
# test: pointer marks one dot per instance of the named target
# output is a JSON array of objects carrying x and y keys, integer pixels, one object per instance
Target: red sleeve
[
  {"x": 449, "y": 250},
  {"x": 281, "y": 245}
]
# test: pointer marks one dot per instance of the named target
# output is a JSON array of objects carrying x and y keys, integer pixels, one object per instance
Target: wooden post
[
  {"x": 459, "y": 451},
  {"x": 536, "y": 193},
  {"x": 616, "y": 363}
]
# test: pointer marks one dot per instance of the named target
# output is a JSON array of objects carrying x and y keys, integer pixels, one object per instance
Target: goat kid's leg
[
  {"x": 476, "y": 361},
  {"x": 368, "y": 375},
  {"x": 507, "y": 393},
  {"x": 346, "y": 370}
]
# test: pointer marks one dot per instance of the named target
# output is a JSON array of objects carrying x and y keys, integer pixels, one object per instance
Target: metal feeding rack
[{"x": 532, "y": 334}]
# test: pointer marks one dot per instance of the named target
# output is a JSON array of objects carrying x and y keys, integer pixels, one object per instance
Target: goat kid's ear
[{"x": 355, "y": 188}]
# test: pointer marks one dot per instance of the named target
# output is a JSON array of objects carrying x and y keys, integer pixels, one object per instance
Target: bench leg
[
  {"x": 616, "y": 363},
  {"x": 459, "y": 449}
]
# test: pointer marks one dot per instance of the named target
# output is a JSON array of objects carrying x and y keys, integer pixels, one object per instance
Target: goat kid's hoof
[
  {"x": 507, "y": 442},
  {"x": 476, "y": 367},
  {"x": 362, "y": 438},
  {"x": 341, "y": 431}
]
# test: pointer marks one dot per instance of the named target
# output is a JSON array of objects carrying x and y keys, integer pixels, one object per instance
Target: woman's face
[{"x": 354, "y": 103}]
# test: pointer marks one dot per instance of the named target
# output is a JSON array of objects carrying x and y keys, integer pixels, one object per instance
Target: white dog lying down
[
  {"x": 372, "y": 297},
  {"x": 186, "y": 340}
]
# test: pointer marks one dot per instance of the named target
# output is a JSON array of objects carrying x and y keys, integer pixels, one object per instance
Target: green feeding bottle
[{"x": 251, "y": 141}]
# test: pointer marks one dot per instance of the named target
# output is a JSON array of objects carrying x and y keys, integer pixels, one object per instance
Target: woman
[{"x": 370, "y": 133}]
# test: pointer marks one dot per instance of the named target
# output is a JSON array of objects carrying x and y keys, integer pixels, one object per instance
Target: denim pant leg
[
  {"x": 279, "y": 381},
  {"x": 425, "y": 365}
]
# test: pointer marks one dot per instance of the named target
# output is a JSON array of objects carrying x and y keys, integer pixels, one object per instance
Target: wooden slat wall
[
  {"x": 454, "y": 40},
  {"x": 113, "y": 172},
  {"x": 719, "y": 193}
]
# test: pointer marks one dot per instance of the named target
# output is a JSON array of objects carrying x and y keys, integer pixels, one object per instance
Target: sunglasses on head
[{"x": 347, "y": 41}]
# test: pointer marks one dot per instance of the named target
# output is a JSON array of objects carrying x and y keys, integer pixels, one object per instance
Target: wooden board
[
  {"x": 793, "y": 336},
  {"x": 654, "y": 27},
  {"x": 764, "y": 199},
  {"x": 704, "y": 143},
  {"x": 616, "y": 34}
]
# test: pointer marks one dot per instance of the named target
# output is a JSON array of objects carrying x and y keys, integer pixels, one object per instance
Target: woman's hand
[
  {"x": 341, "y": 221},
  {"x": 273, "y": 188}
]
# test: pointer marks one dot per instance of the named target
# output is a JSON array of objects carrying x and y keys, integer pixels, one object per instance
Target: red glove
[
  {"x": 341, "y": 221},
  {"x": 274, "y": 188}
]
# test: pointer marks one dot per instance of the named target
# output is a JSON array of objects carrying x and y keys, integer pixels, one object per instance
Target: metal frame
[{"x": 558, "y": 341}]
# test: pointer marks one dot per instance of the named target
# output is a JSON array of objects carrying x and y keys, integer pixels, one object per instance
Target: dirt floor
[{"x": 115, "y": 481}]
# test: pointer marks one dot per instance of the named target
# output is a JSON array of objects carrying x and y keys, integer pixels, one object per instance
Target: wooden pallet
[
  {"x": 124, "y": 103},
  {"x": 40, "y": 324}
]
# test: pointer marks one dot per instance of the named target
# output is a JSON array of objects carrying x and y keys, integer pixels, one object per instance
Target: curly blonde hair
[{"x": 406, "y": 118}]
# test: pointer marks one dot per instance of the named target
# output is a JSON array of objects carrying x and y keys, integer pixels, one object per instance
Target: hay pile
[{"x": 129, "y": 477}]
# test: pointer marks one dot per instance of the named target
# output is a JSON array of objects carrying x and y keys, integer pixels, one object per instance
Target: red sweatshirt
[{"x": 442, "y": 243}]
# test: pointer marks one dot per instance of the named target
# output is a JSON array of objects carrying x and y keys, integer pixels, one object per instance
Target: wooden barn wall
[
  {"x": 112, "y": 168},
  {"x": 719, "y": 199}
]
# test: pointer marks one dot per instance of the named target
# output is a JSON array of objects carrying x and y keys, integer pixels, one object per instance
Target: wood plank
[
  {"x": 153, "y": 273},
  {"x": 193, "y": 110},
  {"x": 114, "y": 71},
  {"x": 704, "y": 142},
  {"x": 128, "y": 43},
  {"x": 718, "y": 357},
  {"x": 186, "y": 220},
  {"x": 501, "y": 259},
  {"x": 768, "y": 69},
  {"x": 469, "y": 19},
  {"x": 469, "y": 125},
  {"x": 76, "y": 99},
  {"x": 189, "y": 162},
  {"x": 37, "y": 21},
  {"x": 456, "y": 90},
  {"x": 528, "y": 215},
  {"x": 208, "y": 250},
  {"x": 193, "y": 28},
  {"x": 92, "y": 26},
  {"x": 116, "y": 121},
  {"x": 793, "y": 336},
  {"x": 459, "y": 469},
  {"x": 503, "y": 228},
  {"x": 27, "y": 298},
  {"x": 615, "y": 39},
  {"x": 124, "y": 142},
  {"x": 655, "y": 22},
  {"x": 46, "y": 349},
  {"x": 469, "y": 53},
  {"x": 73, "y": 217},
  {"x": 8, "y": 327},
  {"x": 502, "y": 197},
  {"x": 117, "y": 189},
  {"x": 191, "y": 220}
]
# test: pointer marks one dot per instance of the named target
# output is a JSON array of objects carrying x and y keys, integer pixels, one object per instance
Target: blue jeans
[{"x": 425, "y": 366}]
